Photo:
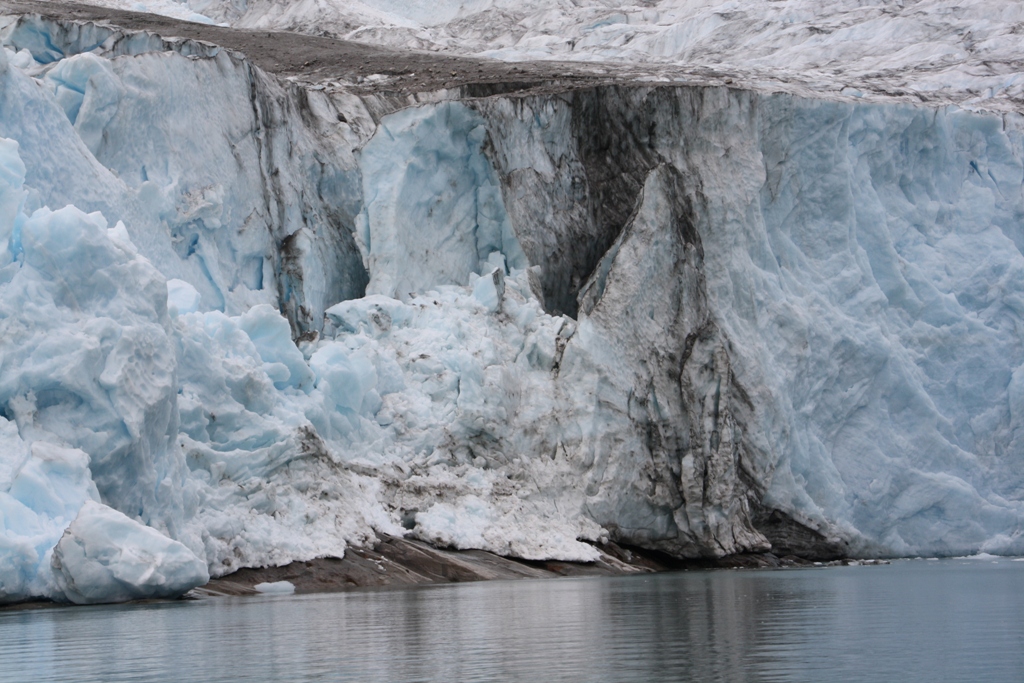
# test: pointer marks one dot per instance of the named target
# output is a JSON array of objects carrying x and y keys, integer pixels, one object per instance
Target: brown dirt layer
[{"x": 312, "y": 57}]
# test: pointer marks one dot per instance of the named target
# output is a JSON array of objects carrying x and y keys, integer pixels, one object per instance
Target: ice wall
[
  {"x": 861, "y": 269},
  {"x": 229, "y": 439},
  {"x": 433, "y": 211},
  {"x": 242, "y": 187},
  {"x": 276, "y": 324},
  {"x": 95, "y": 356}
]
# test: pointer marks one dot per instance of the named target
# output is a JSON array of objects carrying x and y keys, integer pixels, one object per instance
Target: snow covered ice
[
  {"x": 969, "y": 52},
  {"x": 282, "y": 321}
]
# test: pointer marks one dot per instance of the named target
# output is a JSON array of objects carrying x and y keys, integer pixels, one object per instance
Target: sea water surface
[{"x": 946, "y": 620}]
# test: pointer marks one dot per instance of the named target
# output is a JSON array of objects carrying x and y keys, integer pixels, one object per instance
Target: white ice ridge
[
  {"x": 965, "y": 51},
  {"x": 812, "y": 305}
]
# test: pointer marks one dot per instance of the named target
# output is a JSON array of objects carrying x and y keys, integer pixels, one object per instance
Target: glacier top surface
[{"x": 931, "y": 50}]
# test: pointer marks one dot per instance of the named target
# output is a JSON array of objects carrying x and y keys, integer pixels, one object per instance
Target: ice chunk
[
  {"x": 490, "y": 288},
  {"x": 275, "y": 587},
  {"x": 374, "y": 314},
  {"x": 39, "y": 501},
  {"x": 181, "y": 297},
  {"x": 343, "y": 377},
  {"x": 104, "y": 556},
  {"x": 88, "y": 92},
  {"x": 283, "y": 361},
  {"x": 22, "y": 59},
  {"x": 54, "y": 481}
]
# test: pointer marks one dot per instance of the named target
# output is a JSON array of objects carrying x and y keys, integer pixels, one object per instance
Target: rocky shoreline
[
  {"x": 398, "y": 562},
  {"x": 395, "y": 563}
]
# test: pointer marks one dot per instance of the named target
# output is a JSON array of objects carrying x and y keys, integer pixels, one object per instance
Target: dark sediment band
[{"x": 398, "y": 562}]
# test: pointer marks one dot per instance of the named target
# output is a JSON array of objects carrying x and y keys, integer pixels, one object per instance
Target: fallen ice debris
[
  {"x": 47, "y": 487},
  {"x": 275, "y": 587},
  {"x": 106, "y": 557}
]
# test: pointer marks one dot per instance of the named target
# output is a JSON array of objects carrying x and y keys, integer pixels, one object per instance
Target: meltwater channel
[{"x": 915, "y": 620}]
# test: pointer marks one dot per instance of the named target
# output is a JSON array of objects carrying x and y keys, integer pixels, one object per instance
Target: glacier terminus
[{"x": 256, "y": 311}]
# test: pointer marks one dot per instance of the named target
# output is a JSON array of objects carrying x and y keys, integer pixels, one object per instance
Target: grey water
[{"x": 947, "y": 620}]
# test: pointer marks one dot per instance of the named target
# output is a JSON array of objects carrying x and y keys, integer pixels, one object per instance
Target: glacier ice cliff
[{"x": 248, "y": 320}]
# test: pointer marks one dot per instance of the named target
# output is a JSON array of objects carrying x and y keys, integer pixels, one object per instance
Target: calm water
[{"x": 950, "y": 620}]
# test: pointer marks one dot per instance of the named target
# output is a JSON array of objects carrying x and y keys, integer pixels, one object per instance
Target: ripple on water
[{"x": 910, "y": 621}]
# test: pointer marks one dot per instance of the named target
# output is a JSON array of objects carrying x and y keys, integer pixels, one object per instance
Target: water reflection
[{"x": 911, "y": 621}]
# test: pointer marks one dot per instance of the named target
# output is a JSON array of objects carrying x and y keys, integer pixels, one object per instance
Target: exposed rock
[{"x": 394, "y": 562}]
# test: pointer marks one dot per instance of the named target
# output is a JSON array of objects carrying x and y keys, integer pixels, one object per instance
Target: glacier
[
  {"x": 944, "y": 50},
  {"x": 287, "y": 319}
]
